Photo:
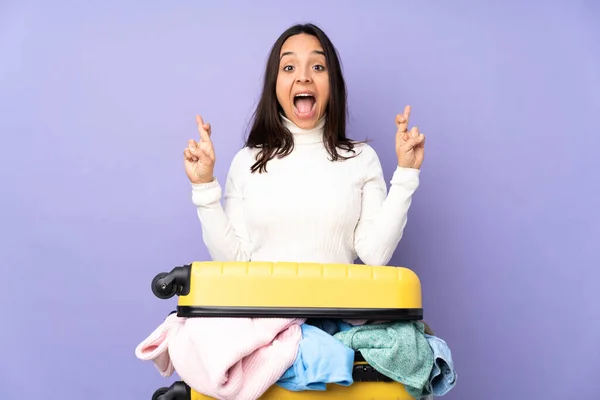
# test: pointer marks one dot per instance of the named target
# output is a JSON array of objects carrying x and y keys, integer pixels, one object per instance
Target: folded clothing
[
  {"x": 321, "y": 360},
  {"x": 224, "y": 358}
]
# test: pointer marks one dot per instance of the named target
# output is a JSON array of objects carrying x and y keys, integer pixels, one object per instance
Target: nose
[{"x": 303, "y": 75}]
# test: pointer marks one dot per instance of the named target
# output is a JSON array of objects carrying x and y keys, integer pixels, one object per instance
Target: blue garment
[
  {"x": 321, "y": 359},
  {"x": 329, "y": 325},
  {"x": 443, "y": 376}
]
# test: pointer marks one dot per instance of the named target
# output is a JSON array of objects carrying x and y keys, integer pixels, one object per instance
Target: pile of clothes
[{"x": 241, "y": 358}]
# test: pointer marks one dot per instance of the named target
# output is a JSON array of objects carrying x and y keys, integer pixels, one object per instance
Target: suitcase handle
[
  {"x": 168, "y": 284},
  {"x": 177, "y": 391},
  {"x": 366, "y": 373}
]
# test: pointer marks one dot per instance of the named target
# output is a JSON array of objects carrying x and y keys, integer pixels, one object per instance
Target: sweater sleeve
[
  {"x": 383, "y": 218},
  {"x": 223, "y": 226}
]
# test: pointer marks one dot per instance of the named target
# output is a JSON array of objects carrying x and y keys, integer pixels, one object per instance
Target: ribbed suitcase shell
[{"x": 263, "y": 289}]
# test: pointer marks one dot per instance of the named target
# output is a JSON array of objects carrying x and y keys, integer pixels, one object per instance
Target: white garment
[{"x": 306, "y": 208}]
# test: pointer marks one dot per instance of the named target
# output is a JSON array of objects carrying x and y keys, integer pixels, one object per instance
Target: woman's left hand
[{"x": 410, "y": 145}]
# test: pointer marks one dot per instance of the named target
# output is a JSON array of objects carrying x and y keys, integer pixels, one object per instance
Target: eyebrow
[{"x": 290, "y": 53}]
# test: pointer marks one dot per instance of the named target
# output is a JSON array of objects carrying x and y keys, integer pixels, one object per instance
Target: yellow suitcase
[
  {"x": 290, "y": 290},
  {"x": 358, "y": 391},
  {"x": 296, "y": 290}
]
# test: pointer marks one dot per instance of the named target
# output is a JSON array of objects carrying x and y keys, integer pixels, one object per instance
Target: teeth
[{"x": 304, "y": 95}]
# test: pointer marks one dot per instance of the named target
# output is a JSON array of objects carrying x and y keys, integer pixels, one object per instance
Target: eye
[
  {"x": 288, "y": 68},
  {"x": 319, "y": 67}
]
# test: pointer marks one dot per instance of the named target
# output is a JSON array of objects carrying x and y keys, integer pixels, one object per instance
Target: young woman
[{"x": 300, "y": 190}]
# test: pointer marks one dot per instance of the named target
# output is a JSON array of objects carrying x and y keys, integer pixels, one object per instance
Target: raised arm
[
  {"x": 223, "y": 228},
  {"x": 384, "y": 217}
]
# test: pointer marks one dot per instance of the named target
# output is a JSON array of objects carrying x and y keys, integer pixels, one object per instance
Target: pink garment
[{"x": 224, "y": 358}]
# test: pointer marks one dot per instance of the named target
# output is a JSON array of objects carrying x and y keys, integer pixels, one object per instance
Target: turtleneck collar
[{"x": 305, "y": 136}]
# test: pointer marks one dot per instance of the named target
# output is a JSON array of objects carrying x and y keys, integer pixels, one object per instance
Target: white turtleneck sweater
[{"x": 306, "y": 208}]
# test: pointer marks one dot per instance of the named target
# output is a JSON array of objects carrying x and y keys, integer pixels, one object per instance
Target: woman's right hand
[{"x": 199, "y": 157}]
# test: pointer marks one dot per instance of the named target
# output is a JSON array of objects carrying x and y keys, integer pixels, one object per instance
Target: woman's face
[{"x": 303, "y": 80}]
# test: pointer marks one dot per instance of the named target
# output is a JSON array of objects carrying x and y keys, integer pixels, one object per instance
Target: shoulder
[
  {"x": 365, "y": 155},
  {"x": 242, "y": 161},
  {"x": 244, "y": 157},
  {"x": 366, "y": 164},
  {"x": 362, "y": 163},
  {"x": 365, "y": 150}
]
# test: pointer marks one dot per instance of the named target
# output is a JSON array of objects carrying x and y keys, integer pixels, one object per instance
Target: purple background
[{"x": 97, "y": 101}]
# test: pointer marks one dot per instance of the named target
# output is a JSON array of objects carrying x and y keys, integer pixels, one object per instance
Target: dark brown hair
[{"x": 268, "y": 132}]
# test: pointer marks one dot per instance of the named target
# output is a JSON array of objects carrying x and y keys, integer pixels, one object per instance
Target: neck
[{"x": 305, "y": 136}]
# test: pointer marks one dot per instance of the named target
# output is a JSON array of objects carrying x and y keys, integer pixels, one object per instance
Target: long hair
[{"x": 268, "y": 132}]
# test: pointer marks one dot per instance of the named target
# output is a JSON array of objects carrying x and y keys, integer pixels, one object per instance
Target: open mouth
[{"x": 304, "y": 104}]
